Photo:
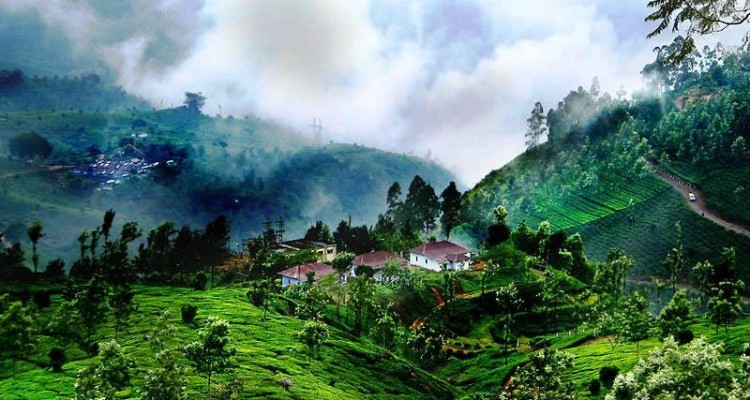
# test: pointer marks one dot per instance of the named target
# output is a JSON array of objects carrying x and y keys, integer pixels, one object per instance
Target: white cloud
[{"x": 457, "y": 78}]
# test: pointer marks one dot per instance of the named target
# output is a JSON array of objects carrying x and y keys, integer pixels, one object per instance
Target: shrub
[
  {"x": 200, "y": 281},
  {"x": 685, "y": 336},
  {"x": 42, "y": 299},
  {"x": 595, "y": 386},
  {"x": 608, "y": 374},
  {"x": 57, "y": 358},
  {"x": 188, "y": 313}
]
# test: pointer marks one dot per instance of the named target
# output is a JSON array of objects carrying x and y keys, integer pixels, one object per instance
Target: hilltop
[{"x": 597, "y": 173}]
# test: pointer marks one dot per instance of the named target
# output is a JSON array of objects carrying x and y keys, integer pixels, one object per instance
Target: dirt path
[{"x": 699, "y": 206}]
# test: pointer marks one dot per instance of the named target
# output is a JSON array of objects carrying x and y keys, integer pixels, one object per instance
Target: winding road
[{"x": 699, "y": 206}]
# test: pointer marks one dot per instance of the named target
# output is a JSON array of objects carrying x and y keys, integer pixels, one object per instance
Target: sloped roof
[
  {"x": 377, "y": 259},
  {"x": 299, "y": 272},
  {"x": 442, "y": 250}
]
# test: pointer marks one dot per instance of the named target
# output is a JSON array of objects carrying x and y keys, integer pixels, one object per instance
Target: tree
[
  {"x": 361, "y": 292},
  {"x": 673, "y": 264},
  {"x": 725, "y": 303},
  {"x": 91, "y": 305},
  {"x": 696, "y": 371},
  {"x": 30, "y": 145},
  {"x": 16, "y": 330},
  {"x": 610, "y": 276},
  {"x": 109, "y": 218},
  {"x": 509, "y": 303},
  {"x": 35, "y": 233},
  {"x": 637, "y": 321},
  {"x": 541, "y": 378},
  {"x": 114, "y": 369},
  {"x": 676, "y": 317},
  {"x": 261, "y": 293},
  {"x": 609, "y": 324},
  {"x": 194, "y": 102},
  {"x": 536, "y": 127},
  {"x": 313, "y": 335},
  {"x": 211, "y": 353},
  {"x": 498, "y": 232},
  {"x": 111, "y": 375},
  {"x": 450, "y": 206},
  {"x": 319, "y": 232},
  {"x": 119, "y": 273},
  {"x": 215, "y": 237},
  {"x": 385, "y": 326},
  {"x": 421, "y": 206},
  {"x": 167, "y": 381},
  {"x": 393, "y": 200},
  {"x": 702, "y": 17}
]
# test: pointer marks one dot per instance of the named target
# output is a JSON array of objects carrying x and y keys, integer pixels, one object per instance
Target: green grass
[{"x": 348, "y": 368}]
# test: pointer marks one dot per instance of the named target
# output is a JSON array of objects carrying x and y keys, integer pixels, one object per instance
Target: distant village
[{"x": 118, "y": 165}]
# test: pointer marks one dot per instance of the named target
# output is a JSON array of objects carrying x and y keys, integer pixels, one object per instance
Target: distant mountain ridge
[{"x": 247, "y": 168}]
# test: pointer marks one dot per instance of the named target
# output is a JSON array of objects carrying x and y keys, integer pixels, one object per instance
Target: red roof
[
  {"x": 299, "y": 272},
  {"x": 377, "y": 259},
  {"x": 441, "y": 251}
]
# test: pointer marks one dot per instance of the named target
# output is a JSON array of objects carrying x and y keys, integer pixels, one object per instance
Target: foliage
[
  {"x": 697, "y": 371},
  {"x": 637, "y": 320},
  {"x": 313, "y": 335},
  {"x": 725, "y": 303},
  {"x": 211, "y": 353},
  {"x": 541, "y": 378},
  {"x": 30, "y": 145},
  {"x": 188, "y": 312},
  {"x": 450, "y": 208},
  {"x": 676, "y": 316},
  {"x": 16, "y": 329},
  {"x": 701, "y": 17},
  {"x": 536, "y": 127}
]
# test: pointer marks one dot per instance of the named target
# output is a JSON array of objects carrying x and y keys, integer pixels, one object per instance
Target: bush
[
  {"x": 685, "y": 336},
  {"x": 608, "y": 374},
  {"x": 188, "y": 313},
  {"x": 57, "y": 358},
  {"x": 55, "y": 269},
  {"x": 42, "y": 299},
  {"x": 595, "y": 386},
  {"x": 200, "y": 281}
]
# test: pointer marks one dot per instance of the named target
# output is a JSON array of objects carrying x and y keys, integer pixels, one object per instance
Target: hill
[
  {"x": 595, "y": 174},
  {"x": 348, "y": 368},
  {"x": 246, "y": 168}
]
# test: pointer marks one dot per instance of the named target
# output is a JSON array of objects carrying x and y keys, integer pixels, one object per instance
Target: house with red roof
[
  {"x": 299, "y": 273},
  {"x": 378, "y": 260},
  {"x": 432, "y": 255}
]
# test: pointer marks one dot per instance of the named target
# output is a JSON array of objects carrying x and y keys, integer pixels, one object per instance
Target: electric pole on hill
[
  {"x": 280, "y": 230},
  {"x": 317, "y": 127}
]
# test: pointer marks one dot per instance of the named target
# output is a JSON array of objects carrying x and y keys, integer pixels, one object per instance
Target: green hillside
[
  {"x": 246, "y": 168},
  {"x": 268, "y": 352},
  {"x": 593, "y": 175}
]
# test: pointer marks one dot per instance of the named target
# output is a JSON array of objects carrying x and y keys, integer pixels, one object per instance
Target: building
[
  {"x": 326, "y": 252},
  {"x": 432, "y": 255},
  {"x": 298, "y": 274},
  {"x": 378, "y": 260}
]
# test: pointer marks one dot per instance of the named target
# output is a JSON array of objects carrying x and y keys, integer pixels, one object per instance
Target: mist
[{"x": 455, "y": 79}]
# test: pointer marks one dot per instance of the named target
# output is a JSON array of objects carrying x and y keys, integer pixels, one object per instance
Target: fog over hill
[{"x": 457, "y": 80}]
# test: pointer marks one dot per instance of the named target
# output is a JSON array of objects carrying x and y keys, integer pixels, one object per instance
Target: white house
[
  {"x": 298, "y": 274},
  {"x": 432, "y": 254},
  {"x": 377, "y": 260}
]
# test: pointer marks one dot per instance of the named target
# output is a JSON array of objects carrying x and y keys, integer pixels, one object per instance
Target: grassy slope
[
  {"x": 602, "y": 217},
  {"x": 267, "y": 352}
]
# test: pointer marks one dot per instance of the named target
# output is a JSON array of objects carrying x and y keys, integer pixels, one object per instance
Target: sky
[{"x": 452, "y": 79}]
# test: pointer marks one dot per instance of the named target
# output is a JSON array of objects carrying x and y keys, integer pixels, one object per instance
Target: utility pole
[
  {"x": 280, "y": 230},
  {"x": 317, "y": 127}
]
